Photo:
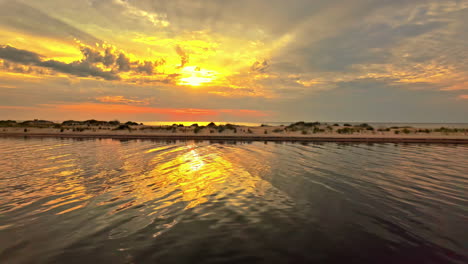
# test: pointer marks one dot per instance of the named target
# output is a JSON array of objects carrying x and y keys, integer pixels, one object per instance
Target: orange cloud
[
  {"x": 463, "y": 96},
  {"x": 121, "y": 100},
  {"x": 462, "y": 85}
]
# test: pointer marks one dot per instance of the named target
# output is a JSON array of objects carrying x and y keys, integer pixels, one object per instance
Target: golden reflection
[{"x": 192, "y": 175}]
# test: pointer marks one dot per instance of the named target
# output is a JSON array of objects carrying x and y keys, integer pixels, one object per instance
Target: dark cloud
[
  {"x": 146, "y": 67},
  {"x": 87, "y": 66},
  {"x": 78, "y": 68},
  {"x": 109, "y": 57},
  {"x": 259, "y": 66},
  {"x": 19, "y": 56},
  {"x": 123, "y": 63},
  {"x": 120, "y": 62},
  {"x": 14, "y": 67},
  {"x": 183, "y": 56},
  {"x": 91, "y": 55}
]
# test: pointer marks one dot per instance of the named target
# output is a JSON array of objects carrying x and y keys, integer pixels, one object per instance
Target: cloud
[
  {"x": 123, "y": 63},
  {"x": 121, "y": 100},
  {"x": 183, "y": 56},
  {"x": 264, "y": 51},
  {"x": 19, "y": 56},
  {"x": 24, "y": 18},
  {"x": 91, "y": 55},
  {"x": 259, "y": 66},
  {"x": 102, "y": 64},
  {"x": 146, "y": 67},
  {"x": 463, "y": 96},
  {"x": 109, "y": 58},
  {"x": 77, "y": 68},
  {"x": 156, "y": 19}
]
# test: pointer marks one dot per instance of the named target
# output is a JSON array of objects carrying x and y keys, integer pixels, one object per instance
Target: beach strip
[{"x": 285, "y": 138}]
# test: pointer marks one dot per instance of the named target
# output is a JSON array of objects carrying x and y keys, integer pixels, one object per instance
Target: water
[{"x": 111, "y": 201}]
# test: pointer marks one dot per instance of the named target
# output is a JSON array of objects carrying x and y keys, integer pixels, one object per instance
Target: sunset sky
[{"x": 239, "y": 60}]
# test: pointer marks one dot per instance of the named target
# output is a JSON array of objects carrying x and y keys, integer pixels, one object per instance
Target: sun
[{"x": 195, "y": 76}]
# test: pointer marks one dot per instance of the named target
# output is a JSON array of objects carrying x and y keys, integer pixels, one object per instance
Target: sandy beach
[{"x": 321, "y": 133}]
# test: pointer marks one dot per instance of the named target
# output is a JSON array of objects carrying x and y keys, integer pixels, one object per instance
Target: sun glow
[{"x": 195, "y": 76}]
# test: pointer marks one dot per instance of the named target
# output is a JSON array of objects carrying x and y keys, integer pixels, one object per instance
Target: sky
[{"x": 234, "y": 60}]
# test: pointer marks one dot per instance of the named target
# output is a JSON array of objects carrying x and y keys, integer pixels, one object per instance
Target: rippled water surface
[{"x": 112, "y": 201}]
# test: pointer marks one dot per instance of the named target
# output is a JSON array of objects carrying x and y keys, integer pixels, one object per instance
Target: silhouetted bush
[
  {"x": 130, "y": 123},
  {"x": 383, "y": 129},
  {"x": 317, "y": 130},
  {"x": 427, "y": 131},
  {"x": 345, "y": 130},
  {"x": 302, "y": 124},
  {"x": 122, "y": 127},
  {"x": 7, "y": 123},
  {"x": 36, "y": 123},
  {"x": 364, "y": 125},
  {"x": 230, "y": 126},
  {"x": 450, "y": 130}
]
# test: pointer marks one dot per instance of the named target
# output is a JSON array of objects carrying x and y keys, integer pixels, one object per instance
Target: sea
[{"x": 150, "y": 201}]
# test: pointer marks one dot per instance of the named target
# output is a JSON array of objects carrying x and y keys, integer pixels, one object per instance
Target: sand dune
[{"x": 242, "y": 133}]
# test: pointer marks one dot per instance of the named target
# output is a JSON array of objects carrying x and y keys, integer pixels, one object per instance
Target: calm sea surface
[{"x": 113, "y": 201}]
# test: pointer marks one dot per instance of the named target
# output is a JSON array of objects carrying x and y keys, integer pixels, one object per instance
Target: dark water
[{"x": 111, "y": 201}]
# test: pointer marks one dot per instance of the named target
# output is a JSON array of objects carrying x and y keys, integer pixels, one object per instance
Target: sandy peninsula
[{"x": 300, "y": 131}]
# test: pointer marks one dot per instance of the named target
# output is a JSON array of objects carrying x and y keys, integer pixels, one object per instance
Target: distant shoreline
[
  {"x": 286, "y": 138},
  {"x": 299, "y": 132}
]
